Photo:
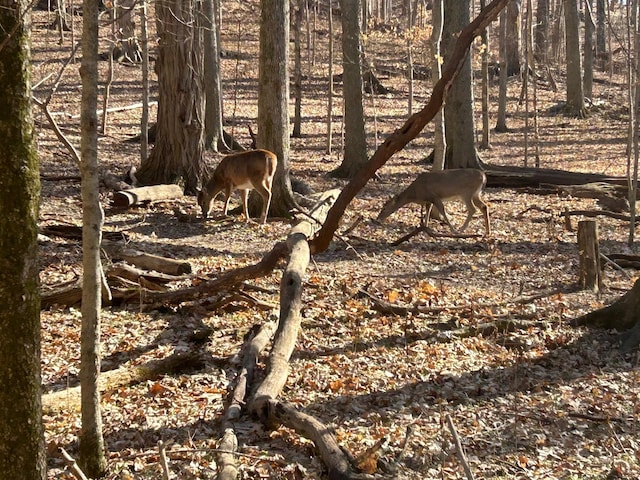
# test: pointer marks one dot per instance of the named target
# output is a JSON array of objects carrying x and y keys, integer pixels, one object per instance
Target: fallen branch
[
  {"x": 72, "y": 465},
  {"x": 461, "y": 455},
  {"x": 432, "y": 233},
  {"x": 69, "y": 399}
]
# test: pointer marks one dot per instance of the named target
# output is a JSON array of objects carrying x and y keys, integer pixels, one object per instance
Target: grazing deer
[
  {"x": 251, "y": 170},
  {"x": 435, "y": 188}
]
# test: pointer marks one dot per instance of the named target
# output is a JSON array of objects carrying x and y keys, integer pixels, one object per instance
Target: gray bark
[
  {"x": 458, "y": 113},
  {"x": 92, "y": 456},
  {"x": 575, "y": 92},
  {"x": 355, "y": 142},
  {"x": 177, "y": 153},
  {"x": 273, "y": 100}
]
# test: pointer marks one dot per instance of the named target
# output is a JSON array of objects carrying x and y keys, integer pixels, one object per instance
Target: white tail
[
  {"x": 251, "y": 170},
  {"x": 465, "y": 184}
]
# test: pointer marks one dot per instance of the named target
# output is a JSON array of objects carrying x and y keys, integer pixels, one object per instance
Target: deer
[
  {"x": 244, "y": 171},
  {"x": 435, "y": 188}
]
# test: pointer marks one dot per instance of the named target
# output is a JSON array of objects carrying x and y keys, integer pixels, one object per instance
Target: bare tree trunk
[
  {"x": 22, "y": 447},
  {"x": 355, "y": 145},
  {"x": 486, "y": 142},
  {"x": 144, "y": 120},
  {"x": 214, "y": 133},
  {"x": 589, "y": 27},
  {"x": 330, "y": 92},
  {"x": 542, "y": 31},
  {"x": 439, "y": 141},
  {"x": 297, "y": 72},
  {"x": 177, "y": 153},
  {"x": 513, "y": 38},
  {"x": 458, "y": 116},
  {"x": 575, "y": 91},
  {"x": 92, "y": 455},
  {"x": 273, "y": 100}
]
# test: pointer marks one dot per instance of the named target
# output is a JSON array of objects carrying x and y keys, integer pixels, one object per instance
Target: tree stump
[{"x": 589, "y": 251}]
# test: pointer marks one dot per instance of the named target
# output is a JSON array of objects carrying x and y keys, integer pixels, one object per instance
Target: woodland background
[{"x": 540, "y": 400}]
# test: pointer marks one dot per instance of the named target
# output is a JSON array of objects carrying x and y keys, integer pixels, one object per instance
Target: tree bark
[
  {"x": 22, "y": 448},
  {"x": 355, "y": 141},
  {"x": 92, "y": 452},
  {"x": 273, "y": 101},
  {"x": 179, "y": 144},
  {"x": 458, "y": 115},
  {"x": 575, "y": 91}
]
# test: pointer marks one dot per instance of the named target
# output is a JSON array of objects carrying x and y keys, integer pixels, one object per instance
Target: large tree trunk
[
  {"x": 92, "y": 455},
  {"x": 575, "y": 92},
  {"x": 623, "y": 315},
  {"x": 458, "y": 114},
  {"x": 177, "y": 154},
  {"x": 22, "y": 452},
  {"x": 355, "y": 142},
  {"x": 273, "y": 101},
  {"x": 514, "y": 32},
  {"x": 542, "y": 32}
]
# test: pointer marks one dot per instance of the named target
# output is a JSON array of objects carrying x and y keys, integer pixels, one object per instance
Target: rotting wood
[
  {"x": 69, "y": 400},
  {"x": 590, "y": 277},
  {"x": 139, "y": 195}
]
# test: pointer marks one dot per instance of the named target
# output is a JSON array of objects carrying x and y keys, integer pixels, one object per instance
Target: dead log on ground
[
  {"x": 131, "y": 273},
  {"x": 625, "y": 260},
  {"x": 146, "y": 261},
  {"x": 69, "y": 400},
  {"x": 227, "y": 469},
  {"x": 518, "y": 177},
  {"x": 153, "y": 193}
]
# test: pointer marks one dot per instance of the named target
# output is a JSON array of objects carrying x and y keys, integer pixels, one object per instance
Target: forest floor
[{"x": 547, "y": 401}]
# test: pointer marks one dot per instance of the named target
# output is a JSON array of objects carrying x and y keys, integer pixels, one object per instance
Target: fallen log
[
  {"x": 146, "y": 261},
  {"x": 153, "y": 193},
  {"x": 69, "y": 400},
  {"x": 518, "y": 177}
]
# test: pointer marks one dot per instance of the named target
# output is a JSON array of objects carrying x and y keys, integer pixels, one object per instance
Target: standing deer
[
  {"x": 465, "y": 184},
  {"x": 244, "y": 171}
]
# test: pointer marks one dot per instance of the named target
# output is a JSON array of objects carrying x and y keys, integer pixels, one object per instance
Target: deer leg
[
  {"x": 424, "y": 218},
  {"x": 244, "y": 195},
  {"x": 265, "y": 193},
  {"x": 227, "y": 199},
  {"x": 471, "y": 209},
  {"x": 440, "y": 206},
  {"x": 485, "y": 213}
]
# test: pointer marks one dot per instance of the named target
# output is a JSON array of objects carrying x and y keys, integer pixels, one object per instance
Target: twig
[
  {"x": 432, "y": 233},
  {"x": 76, "y": 471},
  {"x": 461, "y": 455},
  {"x": 163, "y": 460},
  {"x": 615, "y": 265}
]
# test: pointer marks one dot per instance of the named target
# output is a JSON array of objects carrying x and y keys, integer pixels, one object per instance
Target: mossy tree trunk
[{"x": 22, "y": 452}]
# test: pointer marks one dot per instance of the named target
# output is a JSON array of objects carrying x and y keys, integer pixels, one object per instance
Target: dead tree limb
[
  {"x": 69, "y": 399},
  {"x": 413, "y": 126}
]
